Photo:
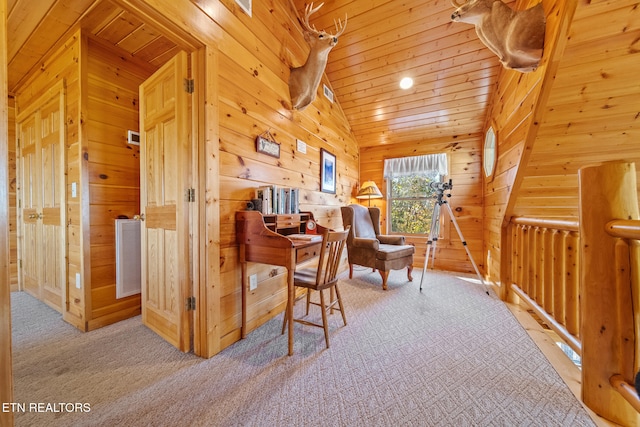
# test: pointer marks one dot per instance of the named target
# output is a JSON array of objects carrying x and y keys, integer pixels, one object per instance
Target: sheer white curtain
[{"x": 415, "y": 165}]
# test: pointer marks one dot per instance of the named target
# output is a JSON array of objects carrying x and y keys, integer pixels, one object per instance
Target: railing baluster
[
  {"x": 572, "y": 283},
  {"x": 531, "y": 263},
  {"x": 559, "y": 300},
  {"x": 624, "y": 309},
  {"x": 547, "y": 268}
]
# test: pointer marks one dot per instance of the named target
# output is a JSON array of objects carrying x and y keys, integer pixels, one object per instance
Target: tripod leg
[
  {"x": 433, "y": 239},
  {"x": 426, "y": 261},
  {"x": 466, "y": 248}
]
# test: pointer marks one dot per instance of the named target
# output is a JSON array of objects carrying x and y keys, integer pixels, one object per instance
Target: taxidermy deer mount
[
  {"x": 517, "y": 37},
  {"x": 304, "y": 81}
]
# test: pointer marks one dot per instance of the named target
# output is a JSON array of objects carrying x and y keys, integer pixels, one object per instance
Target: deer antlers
[
  {"x": 309, "y": 10},
  {"x": 304, "y": 80}
]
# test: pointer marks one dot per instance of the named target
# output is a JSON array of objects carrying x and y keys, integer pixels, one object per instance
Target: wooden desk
[{"x": 259, "y": 244}]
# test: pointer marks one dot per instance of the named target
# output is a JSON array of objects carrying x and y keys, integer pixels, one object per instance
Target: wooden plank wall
[
  {"x": 6, "y": 365},
  {"x": 592, "y": 112},
  {"x": 114, "y": 170},
  {"x": 466, "y": 200},
  {"x": 591, "y": 116},
  {"x": 513, "y": 114},
  {"x": 254, "y": 58},
  {"x": 13, "y": 216},
  {"x": 62, "y": 64},
  {"x": 104, "y": 85}
]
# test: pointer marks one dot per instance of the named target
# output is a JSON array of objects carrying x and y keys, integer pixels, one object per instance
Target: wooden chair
[{"x": 321, "y": 278}]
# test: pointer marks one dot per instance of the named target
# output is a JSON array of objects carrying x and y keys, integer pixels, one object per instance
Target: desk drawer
[
  {"x": 308, "y": 252},
  {"x": 285, "y": 221}
]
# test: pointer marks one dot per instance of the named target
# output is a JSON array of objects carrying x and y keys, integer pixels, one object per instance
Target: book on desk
[{"x": 305, "y": 237}]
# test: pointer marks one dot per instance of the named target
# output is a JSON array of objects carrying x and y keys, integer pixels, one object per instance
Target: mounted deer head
[
  {"x": 517, "y": 37},
  {"x": 304, "y": 81}
]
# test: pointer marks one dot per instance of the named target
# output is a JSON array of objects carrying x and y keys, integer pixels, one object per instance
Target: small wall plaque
[{"x": 266, "y": 144}]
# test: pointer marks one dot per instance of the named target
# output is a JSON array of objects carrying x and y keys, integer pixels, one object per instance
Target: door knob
[{"x": 139, "y": 217}]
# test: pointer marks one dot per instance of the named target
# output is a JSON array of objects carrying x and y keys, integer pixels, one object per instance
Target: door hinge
[
  {"x": 188, "y": 85},
  {"x": 191, "y": 194},
  {"x": 191, "y": 304}
]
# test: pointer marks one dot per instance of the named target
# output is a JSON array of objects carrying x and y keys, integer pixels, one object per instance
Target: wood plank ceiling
[
  {"x": 385, "y": 40},
  {"x": 36, "y": 27}
]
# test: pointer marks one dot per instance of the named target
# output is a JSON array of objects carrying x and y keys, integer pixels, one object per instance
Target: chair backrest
[
  {"x": 359, "y": 218},
  {"x": 332, "y": 246}
]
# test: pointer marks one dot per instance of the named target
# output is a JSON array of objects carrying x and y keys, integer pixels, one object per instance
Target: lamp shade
[{"x": 369, "y": 190}]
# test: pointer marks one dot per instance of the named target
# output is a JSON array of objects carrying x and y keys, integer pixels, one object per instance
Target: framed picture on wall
[{"x": 327, "y": 171}]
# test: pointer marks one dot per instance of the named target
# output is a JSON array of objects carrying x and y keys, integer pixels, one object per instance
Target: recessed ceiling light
[{"x": 406, "y": 83}]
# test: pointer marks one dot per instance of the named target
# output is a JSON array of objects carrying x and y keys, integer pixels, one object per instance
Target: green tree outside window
[{"x": 411, "y": 201}]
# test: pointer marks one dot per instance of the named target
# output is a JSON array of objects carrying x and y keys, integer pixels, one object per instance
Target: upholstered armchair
[{"x": 368, "y": 248}]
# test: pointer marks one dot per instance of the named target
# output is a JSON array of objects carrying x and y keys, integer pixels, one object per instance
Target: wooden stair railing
[
  {"x": 583, "y": 279},
  {"x": 545, "y": 272}
]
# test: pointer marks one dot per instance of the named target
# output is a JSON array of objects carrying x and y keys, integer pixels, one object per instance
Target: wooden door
[
  {"x": 52, "y": 193},
  {"x": 165, "y": 164},
  {"x": 42, "y": 198},
  {"x": 31, "y": 228}
]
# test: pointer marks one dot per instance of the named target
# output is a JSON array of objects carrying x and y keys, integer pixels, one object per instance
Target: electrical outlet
[
  {"x": 78, "y": 280},
  {"x": 253, "y": 282}
]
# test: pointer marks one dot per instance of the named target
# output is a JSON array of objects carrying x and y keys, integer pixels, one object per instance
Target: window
[{"x": 411, "y": 197}]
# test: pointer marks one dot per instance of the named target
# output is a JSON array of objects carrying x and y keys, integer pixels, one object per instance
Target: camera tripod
[{"x": 435, "y": 230}]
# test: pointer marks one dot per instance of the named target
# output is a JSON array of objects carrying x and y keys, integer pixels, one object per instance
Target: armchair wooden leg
[
  {"x": 385, "y": 276},
  {"x": 350, "y": 271},
  {"x": 409, "y": 270}
]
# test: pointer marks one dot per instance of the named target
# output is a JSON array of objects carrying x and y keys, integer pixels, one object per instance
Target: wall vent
[{"x": 327, "y": 92}]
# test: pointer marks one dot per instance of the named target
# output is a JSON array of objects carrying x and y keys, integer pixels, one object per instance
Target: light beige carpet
[{"x": 447, "y": 356}]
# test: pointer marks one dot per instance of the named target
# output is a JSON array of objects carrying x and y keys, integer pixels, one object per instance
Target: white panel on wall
[{"x": 128, "y": 269}]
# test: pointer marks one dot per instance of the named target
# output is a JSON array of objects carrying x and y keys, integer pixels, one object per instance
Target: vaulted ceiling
[{"x": 384, "y": 41}]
